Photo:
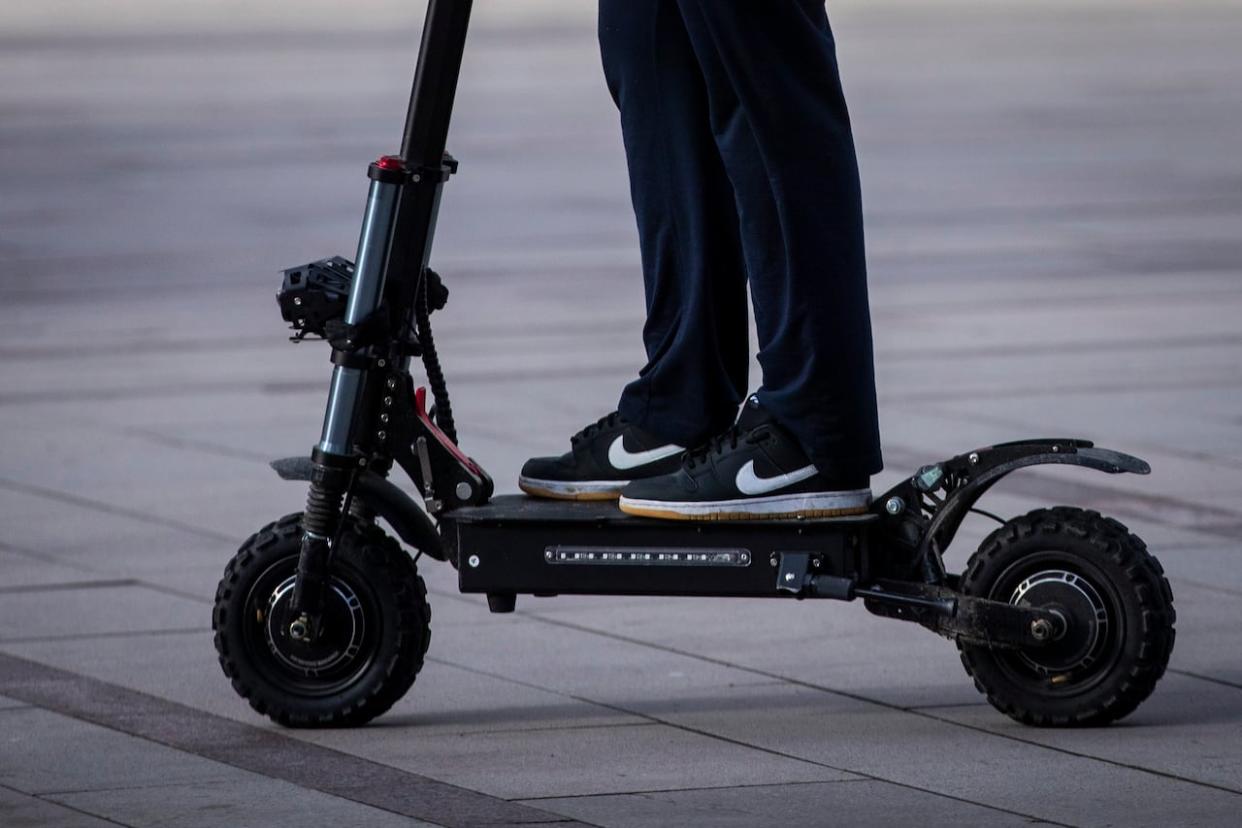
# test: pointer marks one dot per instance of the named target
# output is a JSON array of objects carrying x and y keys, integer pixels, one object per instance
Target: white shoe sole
[
  {"x": 807, "y": 504},
  {"x": 572, "y": 489}
]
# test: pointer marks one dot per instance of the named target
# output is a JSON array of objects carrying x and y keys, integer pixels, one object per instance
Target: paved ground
[{"x": 1054, "y": 197}]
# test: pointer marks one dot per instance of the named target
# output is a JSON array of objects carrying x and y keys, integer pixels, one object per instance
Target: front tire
[
  {"x": 376, "y": 629},
  {"x": 1117, "y": 603}
]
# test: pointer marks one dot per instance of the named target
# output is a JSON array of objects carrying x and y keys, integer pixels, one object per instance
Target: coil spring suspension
[
  {"x": 319, "y": 526},
  {"x": 323, "y": 506}
]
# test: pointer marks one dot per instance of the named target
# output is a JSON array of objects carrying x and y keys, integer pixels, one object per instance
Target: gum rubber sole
[
  {"x": 823, "y": 505},
  {"x": 557, "y": 490},
  {"x": 667, "y": 514}
]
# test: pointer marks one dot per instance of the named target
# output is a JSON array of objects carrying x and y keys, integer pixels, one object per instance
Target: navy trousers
[{"x": 742, "y": 169}]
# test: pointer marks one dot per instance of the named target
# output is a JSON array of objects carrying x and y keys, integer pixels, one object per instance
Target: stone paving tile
[
  {"x": 751, "y": 713},
  {"x": 113, "y": 609},
  {"x": 47, "y": 744},
  {"x": 449, "y": 700},
  {"x": 95, "y": 536},
  {"x": 269, "y": 753},
  {"x": 180, "y": 666},
  {"x": 246, "y": 802},
  {"x": 140, "y": 783},
  {"x": 18, "y": 810},
  {"x": 977, "y": 767},
  {"x": 23, "y": 569},
  {"x": 861, "y": 802},
  {"x": 446, "y": 699},
  {"x": 828, "y": 644},
  {"x": 576, "y": 761},
  {"x": 579, "y": 663},
  {"x": 197, "y": 581},
  {"x": 1210, "y": 567},
  {"x": 120, "y": 472},
  {"x": 1207, "y": 642},
  {"x": 1019, "y": 366},
  {"x": 11, "y": 704},
  {"x": 1044, "y": 326},
  {"x": 1206, "y": 717}
]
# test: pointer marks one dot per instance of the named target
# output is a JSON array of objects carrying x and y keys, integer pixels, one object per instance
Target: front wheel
[
  {"x": 375, "y": 629},
  {"x": 1118, "y": 612}
]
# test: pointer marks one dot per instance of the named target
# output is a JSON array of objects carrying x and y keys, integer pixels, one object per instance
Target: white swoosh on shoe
[
  {"x": 622, "y": 459},
  {"x": 749, "y": 483}
]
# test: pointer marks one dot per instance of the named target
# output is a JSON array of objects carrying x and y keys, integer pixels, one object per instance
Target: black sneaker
[
  {"x": 603, "y": 458},
  {"x": 754, "y": 471}
]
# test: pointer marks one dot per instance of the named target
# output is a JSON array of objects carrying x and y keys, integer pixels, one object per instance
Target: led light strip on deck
[{"x": 645, "y": 556}]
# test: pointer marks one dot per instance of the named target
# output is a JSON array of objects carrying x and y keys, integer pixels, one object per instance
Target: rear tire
[
  {"x": 1113, "y": 593},
  {"x": 377, "y": 626}
]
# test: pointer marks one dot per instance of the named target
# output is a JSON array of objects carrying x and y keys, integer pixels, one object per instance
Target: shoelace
[
  {"x": 607, "y": 421},
  {"x": 717, "y": 446}
]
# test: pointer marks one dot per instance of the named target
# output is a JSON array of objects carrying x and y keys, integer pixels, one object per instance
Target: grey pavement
[{"x": 1054, "y": 206}]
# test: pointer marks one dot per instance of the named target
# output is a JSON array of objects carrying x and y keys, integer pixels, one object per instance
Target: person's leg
[
  {"x": 696, "y": 333},
  {"x": 779, "y": 118}
]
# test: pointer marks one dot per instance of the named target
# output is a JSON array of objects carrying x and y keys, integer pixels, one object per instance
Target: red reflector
[{"x": 390, "y": 162}]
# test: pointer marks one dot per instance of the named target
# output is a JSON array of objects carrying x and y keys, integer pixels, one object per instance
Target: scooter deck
[{"x": 522, "y": 545}]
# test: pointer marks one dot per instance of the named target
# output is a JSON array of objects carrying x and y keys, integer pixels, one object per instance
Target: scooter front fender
[{"x": 398, "y": 510}]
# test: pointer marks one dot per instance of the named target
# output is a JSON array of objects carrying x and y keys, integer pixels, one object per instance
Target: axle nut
[{"x": 1041, "y": 629}]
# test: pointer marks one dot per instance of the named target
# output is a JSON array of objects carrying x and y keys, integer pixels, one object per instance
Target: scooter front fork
[
  {"x": 333, "y": 457},
  {"x": 320, "y": 522}
]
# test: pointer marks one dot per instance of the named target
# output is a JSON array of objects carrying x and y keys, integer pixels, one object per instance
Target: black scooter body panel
[{"x": 521, "y": 545}]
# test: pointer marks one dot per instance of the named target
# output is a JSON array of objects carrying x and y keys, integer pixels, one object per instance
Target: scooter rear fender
[{"x": 940, "y": 495}]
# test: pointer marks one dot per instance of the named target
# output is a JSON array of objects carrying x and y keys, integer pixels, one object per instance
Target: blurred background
[{"x": 1053, "y": 195}]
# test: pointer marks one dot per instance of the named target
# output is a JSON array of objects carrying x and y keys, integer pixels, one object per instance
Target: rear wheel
[
  {"x": 374, "y": 634},
  {"x": 1116, "y": 603}
]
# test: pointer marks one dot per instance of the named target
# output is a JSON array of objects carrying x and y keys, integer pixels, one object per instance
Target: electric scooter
[{"x": 1062, "y": 616}]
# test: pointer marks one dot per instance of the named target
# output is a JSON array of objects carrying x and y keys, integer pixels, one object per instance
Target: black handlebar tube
[
  {"x": 423, "y": 149},
  {"x": 435, "y": 81}
]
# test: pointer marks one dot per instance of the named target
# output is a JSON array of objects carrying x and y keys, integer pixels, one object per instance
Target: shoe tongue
[{"x": 753, "y": 414}]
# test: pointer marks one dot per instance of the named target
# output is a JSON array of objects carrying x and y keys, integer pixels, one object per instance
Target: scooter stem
[{"x": 393, "y": 251}]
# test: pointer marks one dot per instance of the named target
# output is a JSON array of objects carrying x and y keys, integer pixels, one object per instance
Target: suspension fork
[
  {"x": 397, "y": 231},
  {"x": 333, "y": 457}
]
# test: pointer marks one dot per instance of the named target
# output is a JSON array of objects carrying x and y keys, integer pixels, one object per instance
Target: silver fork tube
[{"x": 365, "y": 294}]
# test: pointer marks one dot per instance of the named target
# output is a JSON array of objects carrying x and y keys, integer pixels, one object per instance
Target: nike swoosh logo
[
  {"x": 622, "y": 459},
  {"x": 750, "y": 483}
]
